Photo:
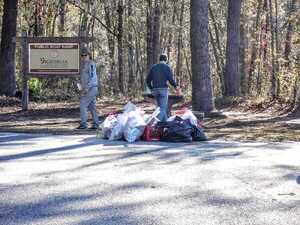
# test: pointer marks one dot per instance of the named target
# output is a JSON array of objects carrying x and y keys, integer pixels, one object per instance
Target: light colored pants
[
  {"x": 161, "y": 96},
  {"x": 88, "y": 103}
]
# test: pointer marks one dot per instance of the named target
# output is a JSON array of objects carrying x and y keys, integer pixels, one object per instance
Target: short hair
[{"x": 163, "y": 57}]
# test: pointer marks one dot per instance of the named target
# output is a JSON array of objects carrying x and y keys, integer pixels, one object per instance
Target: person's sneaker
[
  {"x": 81, "y": 127},
  {"x": 94, "y": 127}
]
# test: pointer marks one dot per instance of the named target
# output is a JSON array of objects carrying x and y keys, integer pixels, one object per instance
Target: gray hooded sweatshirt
[{"x": 88, "y": 75}]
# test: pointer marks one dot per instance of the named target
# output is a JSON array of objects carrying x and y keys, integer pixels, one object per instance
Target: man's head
[
  {"x": 163, "y": 58},
  {"x": 85, "y": 53}
]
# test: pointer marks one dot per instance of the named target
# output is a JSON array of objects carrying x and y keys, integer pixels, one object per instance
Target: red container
[{"x": 152, "y": 133}]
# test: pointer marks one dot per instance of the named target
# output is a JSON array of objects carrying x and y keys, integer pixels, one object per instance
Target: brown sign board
[
  {"x": 48, "y": 57},
  {"x": 53, "y": 58}
]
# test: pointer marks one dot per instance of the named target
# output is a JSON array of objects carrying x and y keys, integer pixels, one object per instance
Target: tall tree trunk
[
  {"x": 254, "y": 47},
  {"x": 149, "y": 34},
  {"x": 232, "y": 72},
  {"x": 83, "y": 30},
  {"x": 113, "y": 84},
  {"x": 8, "y": 47},
  {"x": 217, "y": 50},
  {"x": 91, "y": 27},
  {"x": 52, "y": 33},
  {"x": 218, "y": 64},
  {"x": 170, "y": 36},
  {"x": 156, "y": 31},
  {"x": 242, "y": 57},
  {"x": 288, "y": 38},
  {"x": 38, "y": 18},
  {"x": 179, "y": 45},
  {"x": 153, "y": 32},
  {"x": 263, "y": 50},
  {"x": 139, "y": 69},
  {"x": 274, "y": 83},
  {"x": 131, "y": 78},
  {"x": 188, "y": 68},
  {"x": 276, "y": 28},
  {"x": 164, "y": 30},
  {"x": 62, "y": 13},
  {"x": 120, "y": 46},
  {"x": 202, "y": 95},
  {"x": 217, "y": 34}
]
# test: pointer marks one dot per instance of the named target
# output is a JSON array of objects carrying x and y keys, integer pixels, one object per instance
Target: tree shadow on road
[{"x": 106, "y": 204}]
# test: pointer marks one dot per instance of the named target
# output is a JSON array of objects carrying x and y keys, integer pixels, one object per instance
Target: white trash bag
[
  {"x": 129, "y": 107},
  {"x": 135, "y": 126},
  {"x": 118, "y": 129},
  {"x": 188, "y": 115},
  {"x": 109, "y": 123}
]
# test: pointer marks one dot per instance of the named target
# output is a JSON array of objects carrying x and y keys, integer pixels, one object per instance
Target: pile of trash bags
[{"x": 132, "y": 125}]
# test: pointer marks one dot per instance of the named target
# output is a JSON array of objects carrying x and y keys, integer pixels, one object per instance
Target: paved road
[{"x": 80, "y": 180}]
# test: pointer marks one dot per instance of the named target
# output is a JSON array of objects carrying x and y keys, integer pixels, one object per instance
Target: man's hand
[{"x": 178, "y": 91}]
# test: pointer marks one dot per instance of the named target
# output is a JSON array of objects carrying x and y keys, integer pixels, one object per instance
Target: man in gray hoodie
[{"x": 88, "y": 90}]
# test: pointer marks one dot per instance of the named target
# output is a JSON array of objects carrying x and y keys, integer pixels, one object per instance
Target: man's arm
[
  {"x": 171, "y": 78},
  {"x": 149, "y": 80},
  {"x": 92, "y": 78}
]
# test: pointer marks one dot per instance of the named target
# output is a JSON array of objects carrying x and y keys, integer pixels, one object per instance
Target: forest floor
[{"x": 245, "y": 120}]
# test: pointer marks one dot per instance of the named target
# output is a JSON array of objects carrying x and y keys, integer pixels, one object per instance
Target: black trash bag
[
  {"x": 178, "y": 130},
  {"x": 198, "y": 134}
]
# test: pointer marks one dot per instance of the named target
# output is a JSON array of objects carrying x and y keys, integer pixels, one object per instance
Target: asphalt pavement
[{"x": 78, "y": 179}]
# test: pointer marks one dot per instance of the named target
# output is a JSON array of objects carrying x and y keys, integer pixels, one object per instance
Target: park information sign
[{"x": 53, "y": 58}]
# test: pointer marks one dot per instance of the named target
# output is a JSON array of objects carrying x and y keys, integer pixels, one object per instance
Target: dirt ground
[{"x": 241, "y": 122}]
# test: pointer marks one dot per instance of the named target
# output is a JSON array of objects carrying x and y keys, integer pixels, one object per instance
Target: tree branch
[{"x": 90, "y": 14}]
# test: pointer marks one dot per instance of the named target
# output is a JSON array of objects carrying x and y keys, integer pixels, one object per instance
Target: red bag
[{"x": 152, "y": 133}]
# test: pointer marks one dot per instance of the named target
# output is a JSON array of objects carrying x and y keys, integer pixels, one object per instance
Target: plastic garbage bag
[
  {"x": 188, "y": 115},
  {"x": 133, "y": 134},
  {"x": 135, "y": 119},
  {"x": 178, "y": 130},
  {"x": 118, "y": 129},
  {"x": 129, "y": 107},
  {"x": 134, "y": 127},
  {"x": 171, "y": 118},
  {"x": 109, "y": 123},
  {"x": 198, "y": 134}
]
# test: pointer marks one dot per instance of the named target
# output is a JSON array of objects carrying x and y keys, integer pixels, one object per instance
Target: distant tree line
[{"x": 230, "y": 48}]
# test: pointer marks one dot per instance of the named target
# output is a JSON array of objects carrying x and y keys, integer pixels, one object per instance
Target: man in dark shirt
[{"x": 157, "y": 80}]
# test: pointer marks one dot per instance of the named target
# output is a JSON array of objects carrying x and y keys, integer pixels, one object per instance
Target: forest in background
[{"x": 235, "y": 48}]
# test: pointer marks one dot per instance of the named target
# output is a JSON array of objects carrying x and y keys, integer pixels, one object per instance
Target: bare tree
[
  {"x": 131, "y": 77},
  {"x": 254, "y": 47},
  {"x": 120, "y": 45},
  {"x": 8, "y": 47},
  {"x": 202, "y": 97},
  {"x": 179, "y": 45},
  {"x": 153, "y": 32},
  {"x": 217, "y": 49},
  {"x": 232, "y": 72},
  {"x": 111, "y": 46},
  {"x": 274, "y": 79},
  {"x": 62, "y": 17},
  {"x": 289, "y": 33}
]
